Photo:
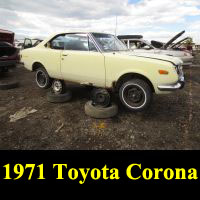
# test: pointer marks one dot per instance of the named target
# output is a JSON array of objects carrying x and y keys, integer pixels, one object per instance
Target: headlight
[{"x": 179, "y": 68}]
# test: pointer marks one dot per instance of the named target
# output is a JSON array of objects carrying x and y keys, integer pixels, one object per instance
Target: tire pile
[
  {"x": 7, "y": 84},
  {"x": 92, "y": 110}
]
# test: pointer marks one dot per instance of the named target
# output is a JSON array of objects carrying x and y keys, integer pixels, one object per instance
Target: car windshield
[{"x": 109, "y": 42}]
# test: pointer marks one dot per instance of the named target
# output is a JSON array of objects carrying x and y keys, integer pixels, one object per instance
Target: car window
[
  {"x": 142, "y": 45},
  {"x": 27, "y": 43},
  {"x": 92, "y": 46},
  {"x": 133, "y": 45},
  {"x": 75, "y": 42},
  {"x": 139, "y": 45},
  {"x": 58, "y": 42}
]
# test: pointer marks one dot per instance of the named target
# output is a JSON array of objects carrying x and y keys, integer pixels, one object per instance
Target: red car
[{"x": 9, "y": 55}]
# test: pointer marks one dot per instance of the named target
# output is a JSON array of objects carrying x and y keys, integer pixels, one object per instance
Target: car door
[
  {"x": 81, "y": 62},
  {"x": 50, "y": 56},
  {"x": 27, "y": 43}
]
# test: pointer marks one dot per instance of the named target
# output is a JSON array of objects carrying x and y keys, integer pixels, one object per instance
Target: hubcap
[
  {"x": 41, "y": 78},
  {"x": 134, "y": 96},
  {"x": 57, "y": 86}
]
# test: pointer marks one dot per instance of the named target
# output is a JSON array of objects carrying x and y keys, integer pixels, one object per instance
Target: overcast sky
[{"x": 154, "y": 19}]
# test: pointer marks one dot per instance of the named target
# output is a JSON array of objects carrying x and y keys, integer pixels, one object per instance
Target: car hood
[
  {"x": 173, "y": 60},
  {"x": 179, "y": 42},
  {"x": 173, "y": 39}
]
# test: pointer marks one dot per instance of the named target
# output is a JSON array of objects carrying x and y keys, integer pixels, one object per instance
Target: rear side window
[{"x": 74, "y": 42}]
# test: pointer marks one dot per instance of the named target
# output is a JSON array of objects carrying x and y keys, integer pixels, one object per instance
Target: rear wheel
[
  {"x": 42, "y": 78},
  {"x": 135, "y": 94}
]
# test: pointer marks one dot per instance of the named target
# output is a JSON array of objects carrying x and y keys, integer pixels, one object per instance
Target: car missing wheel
[{"x": 102, "y": 61}]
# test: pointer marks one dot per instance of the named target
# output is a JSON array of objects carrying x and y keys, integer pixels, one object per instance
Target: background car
[
  {"x": 142, "y": 46},
  {"x": 9, "y": 54}
]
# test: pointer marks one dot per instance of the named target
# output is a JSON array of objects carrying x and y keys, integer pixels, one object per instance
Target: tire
[
  {"x": 99, "y": 112},
  {"x": 59, "y": 98},
  {"x": 7, "y": 86},
  {"x": 136, "y": 95},
  {"x": 4, "y": 70},
  {"x": 42, "y": 78},
  {"x": 58, "y": 87},
  {"x": 100, "y": 97}
]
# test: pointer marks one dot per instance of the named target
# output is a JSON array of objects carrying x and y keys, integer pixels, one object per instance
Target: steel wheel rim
[
  {"x": 134, "y": 96},
  {"x": 57, "y": 87},
  {"x": 41, "y": 78}
]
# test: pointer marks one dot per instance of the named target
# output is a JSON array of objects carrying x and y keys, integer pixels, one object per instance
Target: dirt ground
[{"x": 172, "y": 122}]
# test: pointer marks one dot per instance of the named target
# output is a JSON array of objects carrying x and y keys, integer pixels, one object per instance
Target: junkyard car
[
  {"x": 29, "y": 43},
  {"x": 103, "y": 61},
  {"x": 139, "y": 45},
  {"x": 9, "y": 55}
]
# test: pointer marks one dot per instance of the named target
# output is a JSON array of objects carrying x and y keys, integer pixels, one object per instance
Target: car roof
[
  {"x": 6, "y": 31},
  {"x": 129, "y": 37},
  {"x": 67, "y": 32},
  {"x": 79, "y": 32}
]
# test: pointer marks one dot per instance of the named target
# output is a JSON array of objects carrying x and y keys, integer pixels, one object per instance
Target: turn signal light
[{"x": 163, "y": 72}]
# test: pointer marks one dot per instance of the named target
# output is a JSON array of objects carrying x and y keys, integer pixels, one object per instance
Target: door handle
[{"x": 65, "y": 55}]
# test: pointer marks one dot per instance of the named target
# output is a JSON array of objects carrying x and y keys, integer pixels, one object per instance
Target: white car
[{"x": 140, "y": 46}]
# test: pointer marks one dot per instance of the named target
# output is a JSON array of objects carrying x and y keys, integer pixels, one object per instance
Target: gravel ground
[{"x": 172, "y": 122}]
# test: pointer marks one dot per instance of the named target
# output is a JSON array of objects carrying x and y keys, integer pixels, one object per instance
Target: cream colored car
[{"x": 103, "y": 61}]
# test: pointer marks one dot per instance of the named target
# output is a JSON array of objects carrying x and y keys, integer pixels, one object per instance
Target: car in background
[
  {"x": 29, "y": 43},
  {"x": 9, "y": 54},
  {"x": 19, "y": 43},
  {"x": 141, "y": 46}
]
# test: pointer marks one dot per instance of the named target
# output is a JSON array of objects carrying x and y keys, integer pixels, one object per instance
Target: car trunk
[
  {"x": 7, "y": 50},
  {"x": 7, "y": 36}
]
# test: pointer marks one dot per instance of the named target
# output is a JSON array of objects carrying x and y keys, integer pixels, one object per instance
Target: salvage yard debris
[
  {"x": 24, "y": 112},
  {"x": 59, "y": 128}
]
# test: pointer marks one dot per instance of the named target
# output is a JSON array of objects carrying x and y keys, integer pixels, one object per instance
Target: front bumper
[{"x": 176, "y": 86}]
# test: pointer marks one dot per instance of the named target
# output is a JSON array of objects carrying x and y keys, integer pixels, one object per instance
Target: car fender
[{"x": 133, "y": 71}]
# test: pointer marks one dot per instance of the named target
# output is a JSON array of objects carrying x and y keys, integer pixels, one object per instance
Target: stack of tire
[
  {"x": 60, "y": 95},
  {"x": 100, "y": 112},
  {"x": 100, "y": 107},
  {"x": 94, "y": 109},
  {"x": 6, "y": 84}
]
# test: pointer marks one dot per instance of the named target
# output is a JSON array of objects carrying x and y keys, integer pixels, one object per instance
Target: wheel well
[
  {"x": 129, "y": 76},
  {"x": 36, "y": 65}
]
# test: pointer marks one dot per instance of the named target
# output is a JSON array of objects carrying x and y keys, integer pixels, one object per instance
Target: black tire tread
[
  {"x": 59, "y": 98},
  {"x": 49, "y": 79},
  {"x": 147, "y": 89},
  {"x": 7, "y": 86},
  {"x": 99, "y": 112}
]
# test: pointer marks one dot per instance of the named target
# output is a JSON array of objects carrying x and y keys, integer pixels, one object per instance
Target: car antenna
[{"x": 116, "y": 27}]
